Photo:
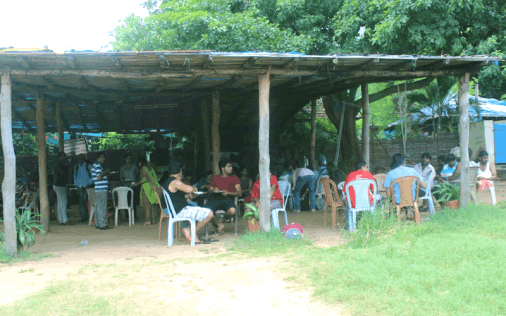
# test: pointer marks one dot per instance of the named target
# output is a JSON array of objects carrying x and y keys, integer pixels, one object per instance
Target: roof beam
[
  {"x": 96, "y": 110},
  {"x": 249, "y": 63},
  {"x": 291, "y": 63},
  {"x": 71, "y": 61},
  {"x": 48, "y": 83},
  {"x": 193, "y": 83},
  {"x": 117, "y": 63},
  {"x": 34, "y": 109},
  {"x": 365, "y": 64},
  {"x": 164, "y": 62},
  {"x": 52, "y": 108},
  {"x": 207, "y": 61},
  {"x": 20, "y": 117},
  {"x": 24, "y": 62},
  {"x": 79, "y": 113},
  {"x": 119, "y": 108},
  {"x": 83, "y": 84}
]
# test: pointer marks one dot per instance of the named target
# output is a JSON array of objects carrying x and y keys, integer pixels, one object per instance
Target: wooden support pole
[
  {"x": 312, "y": 145},
  {"x": 464, "y": 139},
  {"x": 9, "y": 182},
  {"x": 205, "y": 134},
  {"x": 264, "y": 84},
  {"x": 59, "y": 122},
  {"x": 216, "y": 133},
  {"x": 41, "y": 139},
  {"x": 365, "y": 124}
]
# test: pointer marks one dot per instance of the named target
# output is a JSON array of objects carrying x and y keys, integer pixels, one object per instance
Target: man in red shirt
[
  {"x": 362, "y": 172},
  {"x": 276, "y": 197},
  {"x": 225, "y": 188}
]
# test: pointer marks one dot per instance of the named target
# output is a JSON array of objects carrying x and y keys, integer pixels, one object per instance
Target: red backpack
[{"x": 293, "y": 231}]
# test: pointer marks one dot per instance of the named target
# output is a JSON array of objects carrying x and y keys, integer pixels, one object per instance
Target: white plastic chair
[
  {"x": 428, "y": 195},
  {"x": 362, "y": 203},
  {"x": 285, "y": 189},
  {"x": 320, "y": 201},
  {"x": 122, "y": 203},
  {"x": 33, "y": 206},
  {"x": 173, "y": 218},
  {"x": 492, "y": 193}
]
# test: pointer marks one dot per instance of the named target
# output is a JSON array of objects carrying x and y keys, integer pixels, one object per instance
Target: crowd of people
[{"x": 234, "y": 182}]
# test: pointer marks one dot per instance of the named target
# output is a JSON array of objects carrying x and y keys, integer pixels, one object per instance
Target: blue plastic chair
[
  {"x": 361, "y": 188},
  {"x": 174, "y": 219},
  {"x": 285, "y": 188},
  {"x": 428, "y": 194}
]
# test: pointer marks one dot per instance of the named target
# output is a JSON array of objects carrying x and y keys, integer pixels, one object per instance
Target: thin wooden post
[
  {"x": 59, "y": 122},
  {"x": 216, "y": 132},
  {"x": 365, "y": 123},
  {"x": 341, "y": 123},
  {"x": 312, "y": 145},
  {"x": 464, "y": 139},
  {"x": 207, "y": 141},
  {"x": 41, "y": 140},
  {"x": 9, "y": 182},
  {"x": 476, "y": 92},
  {"x": 264, "y": 84}
]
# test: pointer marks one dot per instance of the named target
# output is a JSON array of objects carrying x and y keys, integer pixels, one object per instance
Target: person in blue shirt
[
  {"x": 82, "y": 180},
  {"x": 400, "y": 170}
]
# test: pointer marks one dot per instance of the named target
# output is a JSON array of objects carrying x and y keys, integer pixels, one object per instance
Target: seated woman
[{"x": 177, "y": 191}]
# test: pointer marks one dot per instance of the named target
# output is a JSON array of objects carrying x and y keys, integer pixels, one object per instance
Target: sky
[{"x": 63, "y": 24}]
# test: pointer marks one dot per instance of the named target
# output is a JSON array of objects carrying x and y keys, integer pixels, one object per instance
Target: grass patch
[
  {"x": 449, "y": 265},
  {"x": 22, "y": 256},
  {"x": 27, "y": 270}
]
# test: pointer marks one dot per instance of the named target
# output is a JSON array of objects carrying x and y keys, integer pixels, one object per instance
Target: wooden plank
[
  {"x": 79, "y": 114},
  {"x": 41, "y": 140},
  {"x": 20, "y": 117},
  {"x": 96, "y": 110},
  {"x": 205, "y": 133},
  {"x": 464, "y": 139},
  {"x": 365, "y": 124},
  {"x": 312, "y": 145},
  {"x": 264, "y": 156},
  {"x": 9, "y": 160},
  {"x": 215, "y": 133},
  {"x": 59, "y": 122}
]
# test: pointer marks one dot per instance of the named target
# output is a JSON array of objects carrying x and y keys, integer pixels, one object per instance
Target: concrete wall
[{"x": 481, "y": 137}]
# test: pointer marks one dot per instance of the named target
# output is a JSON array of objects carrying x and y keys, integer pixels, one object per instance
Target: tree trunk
[
  {"x": 41, "y": 139},
  {"x": 464, "y": 139},
  {"x": 9, "y": 181},
  {"x": 365, "y": 124},
  {"x": 59, "y": 122},
  {"x": 312, "y": 148},
  {"x": 205, "y": 133},
  {"x": 263, "y": 147}
]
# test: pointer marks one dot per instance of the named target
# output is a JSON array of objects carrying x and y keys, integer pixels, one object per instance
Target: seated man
[
  {"x": 486, "y": 173},
  {"x": 451, "y": 171},
  {"x": 203, "y": 184},
  {"x": 251, "y": 211},
  {"x": 400, "y": 170},
  {"x": 428, "y": 173},
  {"x": 361, "y": 172},
  {"x": 229, "y": 186}
]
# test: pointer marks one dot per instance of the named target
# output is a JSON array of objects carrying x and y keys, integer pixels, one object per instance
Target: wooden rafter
[
  {"x": 83, "y": 84},
  {"x": 96, "y": 110},
  {"x": 249, "y": 63},
  {"x": 119, "y": 108},
  {"x": 291, "y": 63},
  {"x": 24, "y": 62},
  {"x": 192, "y": 84},
  {"x": 117, "y": 63},
  {"x": 164, "y": 62},
  {"x": 48, "y": 83},
  {"x": 20, "y": 117},
  {"x": 207, "y": 61},
  {"x": 34, "y": 109},
  {"x": 71, "y": 61},
  {"x": 80, "y": 114}
]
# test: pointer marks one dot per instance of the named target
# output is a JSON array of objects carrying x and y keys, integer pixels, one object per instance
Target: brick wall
[{"x": 415, "y": 147}]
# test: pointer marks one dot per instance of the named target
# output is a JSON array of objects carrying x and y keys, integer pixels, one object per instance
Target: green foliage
[
  {"x": 447, "y": 191},
  {"x": 112, "y": 140},
  {"x": 26, "y": 225}
]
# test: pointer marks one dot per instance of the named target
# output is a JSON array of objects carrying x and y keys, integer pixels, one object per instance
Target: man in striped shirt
[{"x": 101, "y": 187}]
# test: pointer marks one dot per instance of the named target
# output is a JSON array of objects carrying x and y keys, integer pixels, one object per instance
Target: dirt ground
[{"x": 263, "y": 276}]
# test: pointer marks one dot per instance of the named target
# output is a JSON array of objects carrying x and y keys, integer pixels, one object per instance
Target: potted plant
[
  {"x": 26, "y": 226},
  {"x": 449, "y": 194}
]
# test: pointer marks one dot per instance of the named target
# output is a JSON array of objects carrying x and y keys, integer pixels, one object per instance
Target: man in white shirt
[
  {"x": 301, "y": 177},
  {"x": 428, "y": 173}
]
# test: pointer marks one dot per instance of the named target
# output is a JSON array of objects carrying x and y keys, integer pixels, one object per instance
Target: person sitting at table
[
  {"x": 441, "y": 162},
  {"x": 486, "y": 173},
  {"x": 178, "y": 192},
  {"x": 275, "y": 197},
  {"x": 203, "y": 184},
  {"x": 400, "y": 170},
  {"x": 361, "y": 172},
  {"x": 147, "y": 195},
  {"x": 227, "y": 187},
  {"x": 451, "y": 171}
]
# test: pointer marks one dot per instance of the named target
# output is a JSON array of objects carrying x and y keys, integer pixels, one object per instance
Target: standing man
[
  {"x": 82, "y": 180},
  {"x": 129, "y": 176},
  {"x": 230, "y": 187},
  {"x": 101, "y": 188},
  {"x": 61, "y": 179}
]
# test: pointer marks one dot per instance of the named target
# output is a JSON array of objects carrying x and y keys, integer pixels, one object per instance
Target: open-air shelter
[{"x": 218, "y": 93}]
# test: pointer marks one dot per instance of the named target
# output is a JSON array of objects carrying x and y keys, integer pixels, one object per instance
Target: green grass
[
  {"x": 452, "y": 264},
  {"x": 22, "y": 256}
]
